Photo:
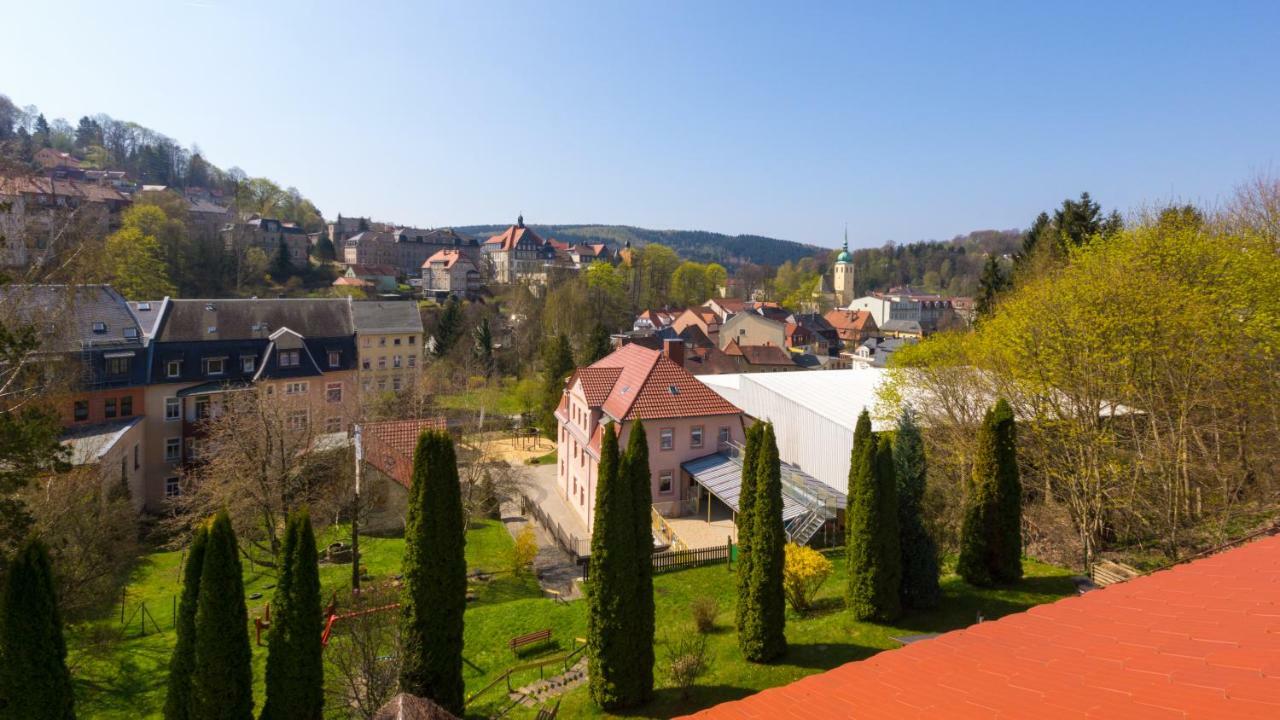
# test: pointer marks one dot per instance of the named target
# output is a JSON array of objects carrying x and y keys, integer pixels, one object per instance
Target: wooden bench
[{"x": 521, "y": 642}]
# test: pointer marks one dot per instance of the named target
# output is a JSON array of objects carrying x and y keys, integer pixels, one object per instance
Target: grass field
[{"x": 127, "y": 679}]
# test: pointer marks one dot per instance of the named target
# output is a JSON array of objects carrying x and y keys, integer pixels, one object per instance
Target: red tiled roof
[
  {"x": 345, "y": 281},
  {"x": 513, "y": 236},
  {"x": 848, "y": 320},
  {"x": 765, "y": 355},
  {"x": 1200, "y": 640},
  {"x": 363, "y": 270},
  {"x": 649, "y": 385},
  {"x": 597, "y": 382},
  {"x": 389, "y": 446},
  {"x": 448, "y": 257},
  {"x": 87, "y": 191}
]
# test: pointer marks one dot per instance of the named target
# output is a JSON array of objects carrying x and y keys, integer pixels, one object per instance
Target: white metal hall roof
[{"x": 721, "y": 475}]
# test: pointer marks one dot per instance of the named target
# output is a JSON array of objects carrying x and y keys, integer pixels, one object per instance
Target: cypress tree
[
  {"x": 635, "y": 464},
  {"x": 435, "y": 576},
  {"x": 177, "y": 702},
  {"x": 763, "y": 634},
  {"x": 872, "y": 549},
  {"x": 612, "y": 577},
  {"x": 746, "y": 530},
  {"x": 919, "y": 553},
  {"x": 222, "y": 675},
  {"x": 34, "y": 680},
  {"x": 991, "y": 537},
  {"x": 295, "y": 673}
]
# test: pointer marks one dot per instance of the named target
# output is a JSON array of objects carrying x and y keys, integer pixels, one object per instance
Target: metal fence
[{"x": 577, "y": 548}]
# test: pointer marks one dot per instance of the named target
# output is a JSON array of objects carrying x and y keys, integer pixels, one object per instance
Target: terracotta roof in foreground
[{"x": 1200, "y": 640}]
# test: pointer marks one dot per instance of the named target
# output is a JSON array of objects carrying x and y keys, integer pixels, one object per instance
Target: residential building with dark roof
[
  {"x": 269, "y": 235},
  {"x": 390, "y": 339},
  {"x": 683, "y": 420}
]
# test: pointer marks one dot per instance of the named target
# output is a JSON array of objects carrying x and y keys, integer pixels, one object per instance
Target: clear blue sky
[{"x": 783, "y": 119}]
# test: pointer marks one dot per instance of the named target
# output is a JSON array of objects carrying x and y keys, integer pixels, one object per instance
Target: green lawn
[{"x": 128, "y": 681}]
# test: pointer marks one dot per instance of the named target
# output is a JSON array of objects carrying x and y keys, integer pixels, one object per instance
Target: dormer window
[
  {"x": 215, "y": 366},
  {"x": 173, "y": 369},
  {"x": 290, "y": 358},
  {"x": 99, "y": 327},
  {"x": 131, "y": 333},
  {"x": 335, "y": 358},
  {"x": 213, "y": 329},
  {"x": 144, "y": 307}
]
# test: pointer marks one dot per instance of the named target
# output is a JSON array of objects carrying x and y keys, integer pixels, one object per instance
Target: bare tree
[{"x": 363, "y": 655}]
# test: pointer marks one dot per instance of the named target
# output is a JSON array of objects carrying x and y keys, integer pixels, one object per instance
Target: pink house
[{"x": 683, "y": 420}]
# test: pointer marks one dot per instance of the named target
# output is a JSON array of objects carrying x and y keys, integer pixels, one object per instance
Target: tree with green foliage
[
  {"x": 598, "y": 345},
  {"x": 482, "y": 346},
  {"x": 295, "y": 671},
  {"x": 872, "y": 548},
  {"x": 449, "y": 328},
  {"x": 281, "y": 268},
  {"x": 435, "y": 576},
  {"x": 137, "y": 268},
  {"x": 657, "y": 263},
  {"x": 991, "y": 536},
  {"x": 325, "y": 251},
  {"x": 557, "y": 363},
  {"x": 762, "y": 635},
  {"x": 177, "y": 702},
  {"x": 634, "y": 468},
  {"x": 222, "y": 674},
  {"x": 34, "y": 680},
  {"x": 991, "y": 283},
  {"x": 744, "y": 522},
  {"x": 919, "y": 552},
  {"x": 611, "y": 629}
]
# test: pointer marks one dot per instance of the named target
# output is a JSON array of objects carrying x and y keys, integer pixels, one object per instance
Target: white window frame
[
  {"x": 395, "y": 362},
  {"x": 289, "y": 358},
  {"x": 173, "y": 444},
  {"x": 666, "y": 439},
  {"x": 725, "y": 434},
  {"x": 298, "y": 419},
  {"x": 209, "y": 365},
  {"x": 248, "y": 363},
  {"x": 329, "y": 388},
  {"x": 173, "y": 369},
  {"x": 335, "y": 358},
  {"x": 172, "y": 487},
  {"x": 295, "y": 388},
  {"x": 696, "y": 434},
  {"x": 172, "y": 403}
]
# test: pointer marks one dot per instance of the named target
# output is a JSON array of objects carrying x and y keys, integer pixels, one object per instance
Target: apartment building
[
  {"x": 269, "y": 235},
  {"x": 405, "y": 249},
  {"x": 389, "y": 337},
  {"x": 519, "y": 254}
]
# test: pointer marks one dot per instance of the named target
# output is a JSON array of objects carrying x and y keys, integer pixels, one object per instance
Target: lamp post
[{"x": 355, "y": 513}]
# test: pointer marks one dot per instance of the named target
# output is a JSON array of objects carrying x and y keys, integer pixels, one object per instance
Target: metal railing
[
  {"x": 664, "y": 530},
  {"x": 577, "y": 548}
]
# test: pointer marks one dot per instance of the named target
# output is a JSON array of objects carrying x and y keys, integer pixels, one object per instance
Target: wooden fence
[{"x": 679, "y": 559}]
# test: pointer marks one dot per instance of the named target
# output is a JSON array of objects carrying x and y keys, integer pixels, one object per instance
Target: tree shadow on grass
[
  {"x": 824, "y": 656},
  {"x": 124, "y": 684},
  {"x": 669, "y": 702}
]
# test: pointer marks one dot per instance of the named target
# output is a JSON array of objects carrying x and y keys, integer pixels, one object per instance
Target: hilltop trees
[
  {"x": 991, "y": 539},
  {"x": 222, "y": 674},
  {"x": 34, "y": 680},
  {"x": 177, "y": 702},
  {"x": 919, "y": 552},
  {"x": 435, "y": 576},
  {"x": 872, "y": 548},
  {"x": 762, "y": 620},
  {"x": 295, "y": 673}
]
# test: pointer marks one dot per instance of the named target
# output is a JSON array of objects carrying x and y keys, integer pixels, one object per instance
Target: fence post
[{"x": 728, "y": 553}]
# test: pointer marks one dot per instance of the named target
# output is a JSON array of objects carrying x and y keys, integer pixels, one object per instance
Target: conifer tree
[
  {"x": 450, "y": 326},
  {"x": 557, "y": 363},
  {"x": 612, "y": 577},
  {"x": 746, "y": 530},
  {"x": 597, "y": 346},
  {"x": 222, "y": 675},
  {"x": 435, "y": 576},
  {"x": 177, "y": 702},
  {"x": 991, "y": 537},
  {"x": 919, "y": 553},
  {"x": 872, "y": 550},
  {"x": 34, "y": 680},
  {"x": 635, "y": 467},
  {"x": 763, "y": 634},
  {"x": 295, "y": 672},
  {"x": 280, "y": 265}
]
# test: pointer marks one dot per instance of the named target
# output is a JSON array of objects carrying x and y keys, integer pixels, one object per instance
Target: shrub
[
  {"x": 803, "y": 574},
  {"x": 705, "y": 610},
  {"x": 526, "y": 550},
  {"x": 687, "y": 661}
]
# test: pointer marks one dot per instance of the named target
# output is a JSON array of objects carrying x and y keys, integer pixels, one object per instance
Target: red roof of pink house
[
  {"x": 649, "y": 385},
  {"x": 1200, "y": 640},
  {"x": 597, "y": 382}
]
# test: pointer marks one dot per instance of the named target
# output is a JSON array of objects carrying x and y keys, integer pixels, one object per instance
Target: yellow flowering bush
[{"x": 803, "y": 573}]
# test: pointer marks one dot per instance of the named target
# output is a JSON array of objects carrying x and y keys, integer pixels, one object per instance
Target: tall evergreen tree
[
  {"x": 872, "y": 549},
  {"x": 991, "y": 536},
  {"x": 745, "y": 526},
  {"x": 597, "y": 346},
  {"x": 557, "y": 363},
  {"x": 177, "y": 702},
  {"x": 325, "y": 251},
  {"x": 763, "y": 634},
  {"x": 295, "y": 673},
  {"x": 449, "y": 327},
  {"x": 222, "y": 676},
  {"x": 435, "y": 576},
  {"x": 280, "y": 265},
  {"x": 991, "y": 283},
  {"x": 34, "y": 680},
  {"x": 610, "y": 628},
  {"x": 482, "y": 346},
  {"x": 919, "y": 552},
  {"x": 635, "y": 467}
]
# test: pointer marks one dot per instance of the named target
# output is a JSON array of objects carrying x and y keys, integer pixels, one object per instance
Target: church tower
[{"x": 842, "y": 275}]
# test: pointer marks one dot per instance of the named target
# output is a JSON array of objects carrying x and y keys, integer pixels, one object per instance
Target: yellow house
[{"x": 389, "y": 344}]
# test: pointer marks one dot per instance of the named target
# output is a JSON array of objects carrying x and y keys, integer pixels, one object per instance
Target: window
[
  {"x": 668, "y": 438},
  {"x": 214, "y": 366},
  {"x": 395, "y": 361},
  {"x": 382, "y": 342},
  {"x": 172, "y": 408},
  {"x": 126, "y": 406},
  {"x": 173, "y": 368},
  {"x": 413, "y": 339},
  {"x": 413, "y": 360},
  {"x": 382, "y": 363},
  {"x": 333, "y": 392},
  {"x": 81, "y": 410},
  {"x": 665, "y": 482},
  {"x": 382, "y": 384},
  {"x": 396, "y": 341},
  {"x": 333, "y": 424},
  {"x": 171, "y": 487},
  {"x": 193, "y": 449},
  {"x": 297, "y": 419},
  {"x": 290, "y": 358},
  {"x": 395, "y": 383},
  {"x": 247, "y": 363},
  {"x": 202, "y": 407},
  {"x": 367, "y": 342},
  {"x": 131, "y": 333},
  {"x": 296, "y": 388},
  {"x": 118, "y": 365},
  {"x": 724, "y": 435},
  {"x": 695, "y": 437},
  {"x": 172, "y": 449},
  {"x": 335, "y": 358},
  {"x": 99, "y": 327},
  {"x": 136, "y": 463},
  {"x": 364, "y": 364},
  {"x": 109, "y": 407}
]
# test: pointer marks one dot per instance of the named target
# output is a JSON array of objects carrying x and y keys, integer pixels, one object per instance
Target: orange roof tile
[
  {"x": 513, "y": 236},
  {"x": 597, "y": 382},
  {"x": 1200, "y": 640},
  {"x": 649, "y": 385},
  {"x": 389, "y": 446}
]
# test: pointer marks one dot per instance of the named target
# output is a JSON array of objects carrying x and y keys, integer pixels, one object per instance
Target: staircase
[
  {"x": 802, "y": 528},
  {"x": 820, "y": 503}
]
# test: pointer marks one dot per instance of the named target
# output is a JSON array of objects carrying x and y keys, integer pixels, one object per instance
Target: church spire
[{"x": 844, "y": 256}]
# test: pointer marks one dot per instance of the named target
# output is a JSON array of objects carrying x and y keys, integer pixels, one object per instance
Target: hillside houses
[
  {"x": 38, "y": 210},
  {"x": 405, "y": 248}
]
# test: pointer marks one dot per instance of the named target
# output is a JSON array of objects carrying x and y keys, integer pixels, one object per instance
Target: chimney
[{"x": 673, "y": 348}]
